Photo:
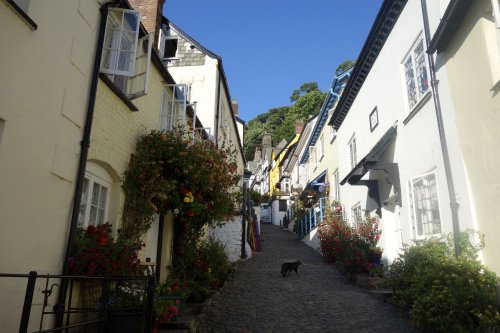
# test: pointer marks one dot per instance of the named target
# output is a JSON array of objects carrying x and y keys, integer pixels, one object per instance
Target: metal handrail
[{"x": 67, "y": 309}]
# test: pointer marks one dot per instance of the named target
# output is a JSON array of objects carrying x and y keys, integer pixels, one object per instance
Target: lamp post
[{"x": 246, "y": 177}]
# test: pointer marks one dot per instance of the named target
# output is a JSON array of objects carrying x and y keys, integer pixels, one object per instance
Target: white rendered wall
[
  {"x": 230, "y": 236},
  {"x": 203, "y": 80},
  {"x": 416, "y": 148},
  {"x": 312, "y": 240}
]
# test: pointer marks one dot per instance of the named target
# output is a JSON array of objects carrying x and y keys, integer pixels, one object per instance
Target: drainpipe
[
  {"x": 217, "y": 110},
  {"x": 159, "y": 247},
  {"x": 444, "y": 146},
  {"x": 85, "y": 144}
]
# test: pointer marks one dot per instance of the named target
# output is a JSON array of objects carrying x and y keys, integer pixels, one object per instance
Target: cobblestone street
[{"x": 259, "y": 299}]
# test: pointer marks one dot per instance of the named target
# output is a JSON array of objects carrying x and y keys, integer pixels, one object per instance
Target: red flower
[{"x": 103, "y": 240}]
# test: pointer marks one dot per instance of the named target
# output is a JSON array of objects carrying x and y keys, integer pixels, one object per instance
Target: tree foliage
[
  {"x": 345, "y": 66},
  {"x": 304, "y": 89},
  {"x": 279, "y": 121}
]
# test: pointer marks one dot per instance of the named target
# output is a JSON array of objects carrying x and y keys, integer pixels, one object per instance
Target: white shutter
[{"x": 138, "y": 84}]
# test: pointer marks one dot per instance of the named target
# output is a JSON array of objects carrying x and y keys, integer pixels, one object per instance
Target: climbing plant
[{"x": 194, "y": 179}]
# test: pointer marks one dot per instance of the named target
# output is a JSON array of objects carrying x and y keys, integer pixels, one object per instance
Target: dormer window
[{"x": 168, "y": 45}]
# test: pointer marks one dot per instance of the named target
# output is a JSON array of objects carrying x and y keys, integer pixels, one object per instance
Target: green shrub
[
  {"x": 445, "y": 293},
  {"x": 212, "y": 253}
]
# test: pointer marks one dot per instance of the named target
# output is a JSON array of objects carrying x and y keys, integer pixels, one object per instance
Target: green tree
[
  {"x": 308, "y": 105},
  {"x": 304, "y": 89},
  {"x": 280, "y": 121},
  {"x": 345, "y": 66}
]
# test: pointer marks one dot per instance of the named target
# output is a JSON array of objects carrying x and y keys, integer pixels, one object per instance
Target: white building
[{"x": 393, "y": 157}]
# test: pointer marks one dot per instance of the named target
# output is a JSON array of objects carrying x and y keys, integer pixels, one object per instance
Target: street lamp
[{"x": 246, "y": 177}]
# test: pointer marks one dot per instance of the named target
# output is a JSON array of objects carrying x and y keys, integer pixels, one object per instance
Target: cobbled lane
[{"x": 259, "y": 299}]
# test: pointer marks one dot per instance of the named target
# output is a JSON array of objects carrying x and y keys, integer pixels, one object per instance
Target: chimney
[
  {"x": 151, "y": 14},
  {"x": 266, "y": 141},
  {"x": 299, "y": 125},
  {"x": 258, "y": 154},
  {"x": 234, "y": 103}
]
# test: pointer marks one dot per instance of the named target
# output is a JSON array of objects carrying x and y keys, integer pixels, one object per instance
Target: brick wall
[{"x": 151, "y": 14}]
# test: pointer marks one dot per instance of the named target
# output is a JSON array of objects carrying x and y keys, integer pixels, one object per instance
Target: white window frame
[
  {"x": 416, "y": 75},
  {"x": 333, "y": 134},
  {"x": 336, "y": 183},
  {"x": 173, "y": 107},
  {"x": 168, "y": 113},
  {"x": 373, "y": 118},
  {"x": 222, "y": 116},
  {"x": 356, "y": 215},
  {"x": 321, "y": 148},
  {"x": 116, "y": 32},
  {"x": 94, "y": 176},
  {"x": 135, "y": 86},
  {"x": 312, "y": 156},
  {"x": 353, "y": 158},
  {"x": 164, "y": 37},
  {"x": 495, "y": 5},
  {"x": 425, "y": 209}
]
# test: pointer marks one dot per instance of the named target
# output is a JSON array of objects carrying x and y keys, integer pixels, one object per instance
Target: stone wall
[{"x": 187, "y": 53}]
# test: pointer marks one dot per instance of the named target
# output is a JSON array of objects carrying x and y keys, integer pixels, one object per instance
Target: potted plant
[
  {"x": 173, "y": 290},
  {"x": 165, "y": 311},
  {"x": 126, "y": 308}
]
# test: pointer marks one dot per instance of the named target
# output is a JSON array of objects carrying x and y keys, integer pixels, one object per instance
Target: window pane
[
  {"x": 170, "y": 48},
  {"x": 93, "y": 215},
  {"x": 131, "y": 20},
  {"x": 100, "y": 219},
  {"x": 423, "y": 83},
  {"x": 120, "y": 42},
  {"x": 83, "y": 203},
  {"x": 102, "y": 197},
  {"x": 426, "y": 205},
  {"x": 95, "y": 194},
  {"x": 410, "y": 83},
  {"x": 352, "y": 152}
]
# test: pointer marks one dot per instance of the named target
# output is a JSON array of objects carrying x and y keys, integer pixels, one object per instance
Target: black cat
[{"x": 290, "y": 266}]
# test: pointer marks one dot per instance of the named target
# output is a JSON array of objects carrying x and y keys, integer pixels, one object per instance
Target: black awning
[{"x": 371, "y": 158}]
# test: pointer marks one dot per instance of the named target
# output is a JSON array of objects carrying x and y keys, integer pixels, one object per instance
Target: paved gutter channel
[{"x": 258, "y": 299}]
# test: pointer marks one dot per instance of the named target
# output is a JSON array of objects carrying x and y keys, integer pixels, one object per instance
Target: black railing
[{"x": 87, "y": 304}]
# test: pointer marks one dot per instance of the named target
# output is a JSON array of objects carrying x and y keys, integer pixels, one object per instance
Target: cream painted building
[
  {"x": 42, "y": 124},
  {"x": 47, "y": 58},
  {"x": 467, "y": 41}
]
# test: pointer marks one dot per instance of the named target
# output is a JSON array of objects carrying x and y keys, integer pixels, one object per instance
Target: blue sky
[{"x": 270, "y": 47}]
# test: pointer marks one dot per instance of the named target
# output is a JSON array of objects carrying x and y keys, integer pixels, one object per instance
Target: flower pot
[{"x": 125, "y": 322}]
